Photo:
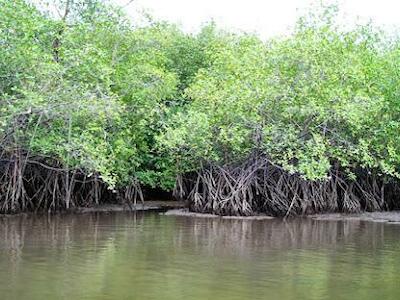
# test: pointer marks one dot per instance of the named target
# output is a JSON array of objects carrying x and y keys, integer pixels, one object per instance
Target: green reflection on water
[{"x": 148, "y": 256}]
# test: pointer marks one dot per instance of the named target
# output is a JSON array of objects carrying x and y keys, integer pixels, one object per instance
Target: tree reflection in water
[{"x": 148, "y": 256}]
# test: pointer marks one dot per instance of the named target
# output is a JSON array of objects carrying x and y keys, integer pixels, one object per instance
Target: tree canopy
[{"x": 82, "y": 85}]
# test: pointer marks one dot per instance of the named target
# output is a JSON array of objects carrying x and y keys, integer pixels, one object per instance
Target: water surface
[{"x": 150, "y": 256}]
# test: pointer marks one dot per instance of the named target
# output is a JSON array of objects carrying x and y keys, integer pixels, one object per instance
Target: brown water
[{"x": 149, "y": 256}]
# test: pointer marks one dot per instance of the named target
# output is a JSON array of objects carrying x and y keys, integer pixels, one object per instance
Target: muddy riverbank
[
  {"x": 160, "y": 206},
  {"x": 390, "y": 216}
]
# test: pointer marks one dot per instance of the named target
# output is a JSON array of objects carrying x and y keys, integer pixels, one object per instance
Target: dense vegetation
[{"x": 94, "y": 107}]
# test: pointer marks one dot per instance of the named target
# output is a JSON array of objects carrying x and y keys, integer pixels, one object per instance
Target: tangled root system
[{"x": 259, "y": 186}]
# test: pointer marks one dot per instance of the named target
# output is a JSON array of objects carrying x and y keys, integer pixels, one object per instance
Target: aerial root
[
  {"x": 38, "y": 184},
  {"x": 259, "y": 186}
]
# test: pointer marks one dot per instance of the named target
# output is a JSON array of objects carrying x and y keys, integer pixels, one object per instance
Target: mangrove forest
[{"x": 97, "y": 108}]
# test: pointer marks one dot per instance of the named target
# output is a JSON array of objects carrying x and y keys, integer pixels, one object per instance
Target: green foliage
[
  {"x": 316, "y": 98},
  {"x": 95, "y": 92}
]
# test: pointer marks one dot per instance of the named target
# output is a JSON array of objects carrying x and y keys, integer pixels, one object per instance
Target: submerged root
[{"x": 259, "y": 186}]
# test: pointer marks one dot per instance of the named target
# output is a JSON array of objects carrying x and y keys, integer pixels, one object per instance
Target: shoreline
[
  {"x": 179, "y": 209},
  {"x": 145, "y": 206},
  {"x": 184, "y": 212},
  {"x": 392, "y": 217},
  {"x": 150, "y": 205}
]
